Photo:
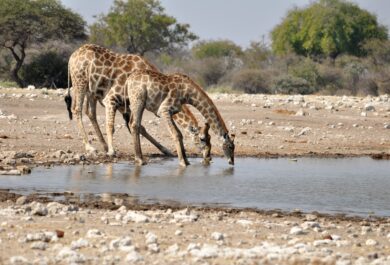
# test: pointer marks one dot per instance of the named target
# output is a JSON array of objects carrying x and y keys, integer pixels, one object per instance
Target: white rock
[
  {"x": 207, "y": 251},
  {"x": 39, "y": 245},
  {"x": 21, "y": 200},
  {"x": 71, "y": 256},
  {"x": 371, "y": 242},
  {"x": 300, "y": 112},
  {"x": 133, "y": 257},
  {"x": 80, "y": 243},
  {"x": 387, "y": 126},
  {"x": 38, "y": 209},
  {"x": 173, "y": 249},
  {"x": 217, "y": 236},
  {"x": 363, "y": 114},
  {"x": 244, "y": 222},
  {"x": 178, "y": 233},
  {"x": 120, "y": 243},
  {"x": 30, "y": 87},
  {"x": 304, "y": 131},
  {"x": 369, "y": 107},
  {"x": 296, "y": 231},
  {"x": 151, "y": 238},
  {"x": 323, "y": 242},
  {"x": 132, "y": 216},
  {"x": 93, "y": 233},
  {"x": 154, "y": 248},
  {"x": 18, "y": 260},
  {"x": 185, "y": 216}
]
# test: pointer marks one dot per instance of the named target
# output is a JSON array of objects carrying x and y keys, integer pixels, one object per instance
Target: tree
[
  {"x": 327, "y": 27},
  {"x": 216, "y": 49},
  {"x": 140, "y": 26},
  {"x": 27, "y": 22}
]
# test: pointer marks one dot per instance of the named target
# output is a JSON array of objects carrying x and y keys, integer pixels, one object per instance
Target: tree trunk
[{"x": 18, "y": 65}]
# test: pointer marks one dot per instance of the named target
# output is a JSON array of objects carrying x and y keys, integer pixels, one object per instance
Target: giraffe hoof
[
  {"x": 111, "y": 153},
  {"x": 140, "y": 162},
  {"x": 184, "y": 163}
]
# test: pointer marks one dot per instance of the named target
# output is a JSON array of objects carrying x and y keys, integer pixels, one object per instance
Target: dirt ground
[{"x": 35, "y": 129}]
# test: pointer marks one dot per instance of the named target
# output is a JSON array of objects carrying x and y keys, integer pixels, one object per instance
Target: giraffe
[
  {"x": 117, "y": 99},
  {"x": 93, "y": 71},
  {"x": 165, "y": 95}
]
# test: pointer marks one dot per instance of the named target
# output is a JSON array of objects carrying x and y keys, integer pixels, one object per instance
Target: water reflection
[{"x": 358, "y": 185}]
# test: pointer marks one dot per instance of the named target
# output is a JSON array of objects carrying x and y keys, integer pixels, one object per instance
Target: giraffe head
[
  {"x": 228, "y": 147},
  {"x": 205, "y": 143}
]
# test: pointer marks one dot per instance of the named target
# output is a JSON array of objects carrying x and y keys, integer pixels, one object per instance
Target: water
[{"x": 356, "y": 186}]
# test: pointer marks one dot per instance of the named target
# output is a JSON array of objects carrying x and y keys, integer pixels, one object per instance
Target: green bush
[
  {"x": 48, "y": 69},
  {"x": 306, "y": 70},
  {"x": 250, "y": 81},
  {"x": 287, "y": 84}
]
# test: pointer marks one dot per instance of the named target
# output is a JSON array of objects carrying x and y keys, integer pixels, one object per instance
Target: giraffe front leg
[
  {"x": 77, "y": 111},
  {"x": 136, "y": 112},
  {"x": 176, "y": 135},
  {"x": 92, "y": 117},
  {"x": 110, "y": 120}
]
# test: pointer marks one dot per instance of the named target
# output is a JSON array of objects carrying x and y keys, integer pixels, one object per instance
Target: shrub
[
  {"x": 48, "y": 69},
  {"x": 250, "y": 81},
  {"x": 223, "y": 89},
  {"x": 287, "y": 84},
  {"x": 306, "y": 70}
]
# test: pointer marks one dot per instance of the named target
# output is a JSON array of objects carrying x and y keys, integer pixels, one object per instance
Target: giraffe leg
[
  {"x": 110, "y": 119},
  {"x": 135, "y": 126},
  {"x": 92, "y": 116},
  {"x": 167, "y": 111},
  {"x": 150, "y": 138},
  {"x": 77, "y": 111}
]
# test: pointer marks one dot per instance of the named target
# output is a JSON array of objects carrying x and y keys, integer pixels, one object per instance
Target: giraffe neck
[{"x": 201, "y": 101}]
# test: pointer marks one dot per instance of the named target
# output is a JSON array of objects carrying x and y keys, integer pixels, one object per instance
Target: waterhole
[{"x": 356, "y": 186}]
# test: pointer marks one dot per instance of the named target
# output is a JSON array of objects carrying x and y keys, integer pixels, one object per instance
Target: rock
[
  {"x": 60, "y": 233},
  {"x": 300, "y": 112},
  {"x": 132, "y": 216},
  {"x": 120, "y": 243},
  {"x": 70, "y": 256},
  {"x": 30, "y": 87},
  {"x": 173, "y": 249},
  {"x": 21, "y": 200},
  {"x": 18, "y": 260},
  {"x": 94, "y": 233},
  {"x": 217, "y": 236},
  {"x": 369, "y": 107},
  {"x": 244, "y": 222},
  {"x": 207, "y": 251},
  {"x": 178, "y": 233},
  {"x": 185, "y": 216},
  {"x": 151, "y": 238},
  {"x": 154, "y": 248},
  {"x": 296, "y": 231},
  {"x": 371, "y": 242},
  {"x": 80, "y": 243},
  {"x": 363, "y": 114},
  {"x": 12, "y": 172},
  {"x": 133, "y": 257},
  {"x": 304, "y": 131},
  {"x": 310, "y": 217},
  {"x": 387, "y": 126},
  {"x": 39, "y": 245},
  {"x": 38, "y": 208}
]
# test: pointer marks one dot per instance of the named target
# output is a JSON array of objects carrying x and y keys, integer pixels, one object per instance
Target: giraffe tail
[{"x": 68, "y": 98}]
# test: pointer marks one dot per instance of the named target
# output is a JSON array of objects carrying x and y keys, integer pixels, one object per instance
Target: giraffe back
[{"x": 96, "y": 68}]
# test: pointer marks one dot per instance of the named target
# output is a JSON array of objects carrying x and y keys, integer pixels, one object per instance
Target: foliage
[
  {"x": 223, "y": 89},
  {"x": 250, "y": 81},
  {"x": 211, "y": 70},
  {"x": 48, "y": 69},
  {"x": 256, "y": 54},
  {"x": 306, "y": 70},
  {"x": 287, "y": 84},
  {"x": 141, "y": 26},
  {"x": 327, "y": 27},
  {"x": 25, "y": 22},
  {"x": 216, "y": 49},
  {"x": 378, "y": 51}
]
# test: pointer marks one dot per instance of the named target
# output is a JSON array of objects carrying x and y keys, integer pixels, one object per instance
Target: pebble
[
  {"x": 217, "y": 236},
  {"x": 151, "y": 238},
  {"x": 18, "y": 260},
  {"x": 120, "y": 243},
  {"x": 80, "y": 243},
  {"x": 132, "y": 216},
  {"x": 133, "y": 257},
  {"x": 94, "y": 233},
  {"x": 371, "y": 242},
  {"x": 39, "y": 245},
  {"x": 21, "y": 200},
  {"x": 71, "y": 256},
  {"x": 304, "y": 131},
  {"x": 296, "y": 231},
  {"x": 38, "y": 208}
]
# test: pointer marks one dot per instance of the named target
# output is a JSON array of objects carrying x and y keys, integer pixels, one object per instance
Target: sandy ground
[{"x": 35, "y": 129}]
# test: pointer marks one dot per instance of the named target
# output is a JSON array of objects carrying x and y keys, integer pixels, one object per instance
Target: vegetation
[
  {"x": 327, "y": 28},
  {"x": 140, "y": 26},
  {"x": 27, "y": 22},
  {"x": 330, "y": 47}
]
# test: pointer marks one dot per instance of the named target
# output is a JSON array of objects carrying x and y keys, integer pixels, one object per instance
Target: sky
[{"x": 241, "y": 21}]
